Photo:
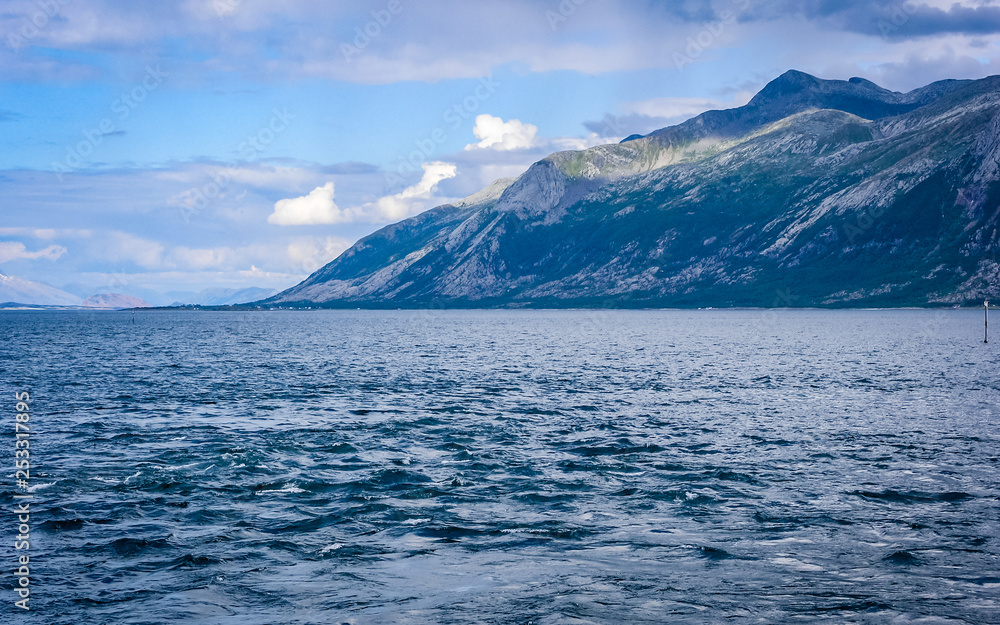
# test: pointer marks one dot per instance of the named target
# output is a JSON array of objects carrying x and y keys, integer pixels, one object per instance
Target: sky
[{"x": 158, "y": 148}]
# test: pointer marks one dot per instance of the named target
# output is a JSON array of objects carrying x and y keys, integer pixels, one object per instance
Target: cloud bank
[
  {"x": 319, "y": 207},
  {"x": 15, "y": 250}
]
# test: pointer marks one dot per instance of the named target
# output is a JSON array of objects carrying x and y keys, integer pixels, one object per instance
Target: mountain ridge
[
  {"x": 840, "y": 193},
  {"x": 114, "y": 301}
]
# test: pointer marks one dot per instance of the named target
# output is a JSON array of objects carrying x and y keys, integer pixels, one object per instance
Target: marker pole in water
[{"x": 986, "y": 321}]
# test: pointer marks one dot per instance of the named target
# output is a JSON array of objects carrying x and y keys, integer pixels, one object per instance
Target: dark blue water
[{"x": 507, "y": 467}]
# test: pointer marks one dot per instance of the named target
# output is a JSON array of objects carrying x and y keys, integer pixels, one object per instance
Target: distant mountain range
[
  {"x": 16, "y": 291},
  {"x": 22, "y": 292},
  {"x": 816, "y": 193},
  {"x": 115, "y": 300},
  {"x": 222, "y": 297}
]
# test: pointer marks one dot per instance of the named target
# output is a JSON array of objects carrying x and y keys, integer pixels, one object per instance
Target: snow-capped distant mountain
[{"x": 21, "y": 291}]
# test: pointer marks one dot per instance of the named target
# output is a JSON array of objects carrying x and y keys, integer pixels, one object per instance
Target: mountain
[
  {"x": 21, "y": 291},
  {"x": 115, "y": 300},
  {"x": 816, "y": 193},
  {"x": 222, "y": 297}
]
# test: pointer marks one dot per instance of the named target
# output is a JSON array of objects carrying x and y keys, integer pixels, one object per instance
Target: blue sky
[{"x": 151, "y": 148}]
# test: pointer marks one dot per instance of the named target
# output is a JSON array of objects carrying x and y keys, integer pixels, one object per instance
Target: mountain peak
[
  {"x": 795, "y": 91},
  {"x": 792, "y": 80},
  {"x": 798, "y": 92},
  {"x": 857, "y": 80},
  {"x": 791, "y": 86}
]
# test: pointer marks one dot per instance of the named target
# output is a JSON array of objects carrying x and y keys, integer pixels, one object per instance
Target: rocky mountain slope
[{"x": 817, "y": 192}]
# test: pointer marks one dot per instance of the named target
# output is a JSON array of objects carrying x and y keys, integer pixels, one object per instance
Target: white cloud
[
  {"x": 47, "y": 233},
  {"x": 682, "y": 108},
  {"x": 163, "y": 281},
  {"x": 319, "y": 207},
  {"x": 305, "y": 38},
  {"x": 259, "y": 277},
  {"x": 560, "y": 144},
  {"x": 494, "y": 133},
  {"x": 434, "y": 173},
  {"x": 412, "y": 200},
  {"x": 926, "y": 65},
  {"x": 15, "y": 250},
  {"x": 645, "y": 116},
  {"x": 199, "y": 259},
  {"x": 308, "y": 37},
  {"x": 316, "y": 208},
  {"x": 297, "y": 256},
  {"x": 123, "y": 247}
]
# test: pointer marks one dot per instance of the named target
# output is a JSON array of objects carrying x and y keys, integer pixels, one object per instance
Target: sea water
[{"x": 518, "y": 467}]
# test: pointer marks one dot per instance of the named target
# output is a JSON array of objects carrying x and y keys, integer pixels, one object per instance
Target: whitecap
[
  {"x": 798, "y": 565},
  {"x": 180, "y": 466},
  {"x": 287, "y": 488}
]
